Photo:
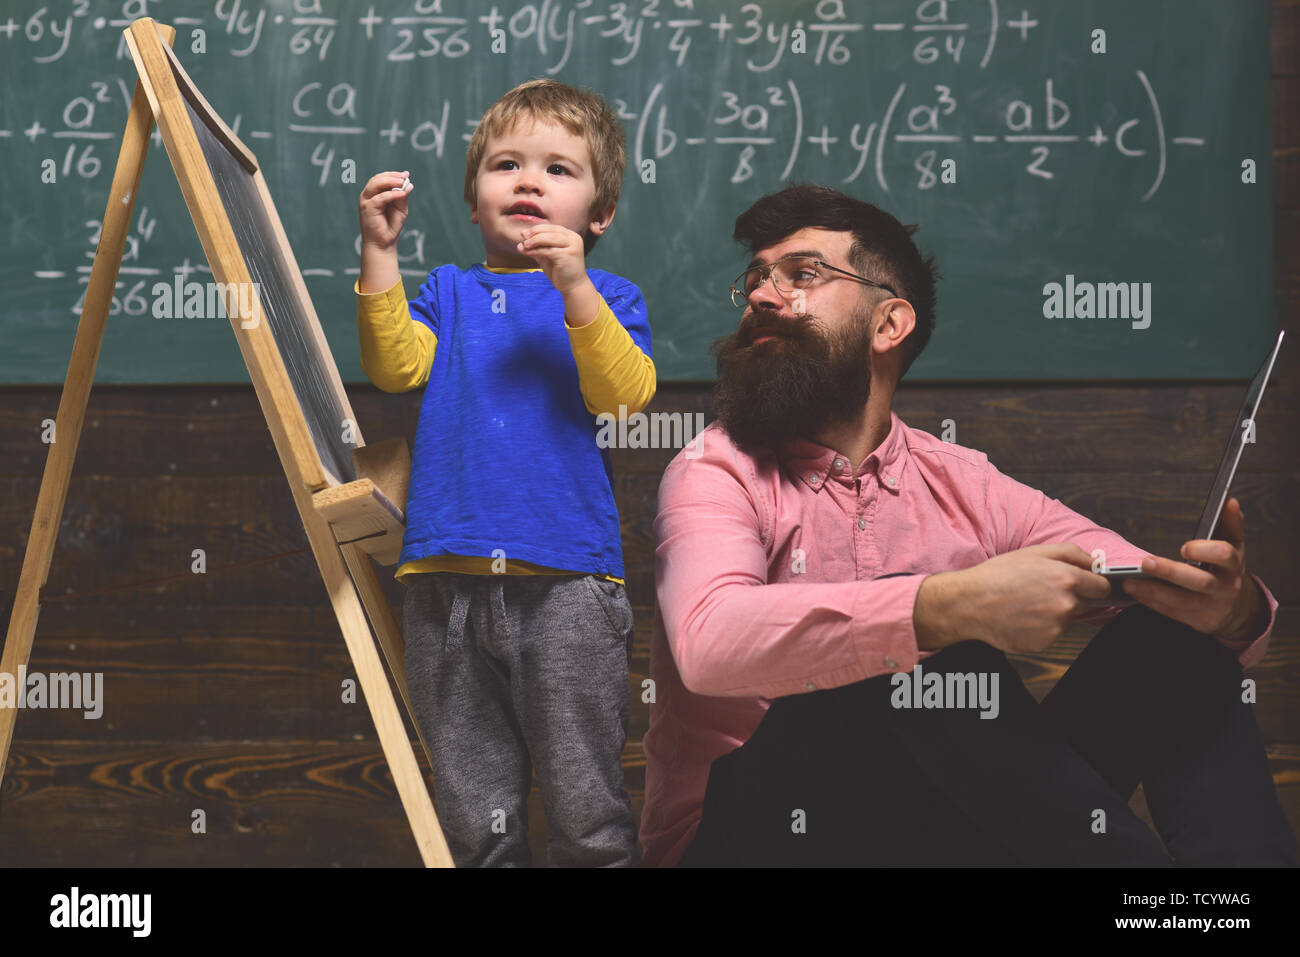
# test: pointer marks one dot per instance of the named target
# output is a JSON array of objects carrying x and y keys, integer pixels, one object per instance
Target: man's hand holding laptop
[
  {"x": 1022, "y": 601},
  {"x": 1220, "y": 599}
]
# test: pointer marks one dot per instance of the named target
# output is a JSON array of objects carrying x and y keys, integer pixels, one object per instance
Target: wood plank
[
  {"x": 315, "y": 804},
  {"x": 202, "y": 678},
  {"x": 220, "y": 430},
  {"x": 1284, "y": 38},
  {"x": 1286, "y": 140},
  {"x": 119, "y": 532},
  {"x": 256, "y": 673},
  {"x": 1286, "y": 236},
  {"x": 359, "y": 512}
]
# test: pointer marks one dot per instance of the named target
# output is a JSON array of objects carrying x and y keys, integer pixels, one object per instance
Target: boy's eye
[{"x": 503, "y": 164}]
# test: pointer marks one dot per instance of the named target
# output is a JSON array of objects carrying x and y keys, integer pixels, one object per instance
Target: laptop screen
[{"x": 1243, "y": 431}]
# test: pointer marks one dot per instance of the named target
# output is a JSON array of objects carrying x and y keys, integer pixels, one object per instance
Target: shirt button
[
  {"x": 839, "y": 465},
  {"x": 891, "y": 480},
  {"x": 891, "y": 662},
  {"x": 862, "y": 523},
  {"x": 812, "y": 479},
  {"x": 811, "y": 686}
]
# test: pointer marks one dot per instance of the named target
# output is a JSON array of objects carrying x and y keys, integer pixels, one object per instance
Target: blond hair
[{"x": 582, "y": 112}]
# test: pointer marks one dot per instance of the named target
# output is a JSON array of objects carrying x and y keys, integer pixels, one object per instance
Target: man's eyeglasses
[{"x": 788, "y": 274}]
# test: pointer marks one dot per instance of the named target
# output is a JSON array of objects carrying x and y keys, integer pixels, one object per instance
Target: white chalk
[{"x": 407, "y": 185}]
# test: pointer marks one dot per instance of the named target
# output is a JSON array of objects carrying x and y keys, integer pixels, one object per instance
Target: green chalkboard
[{"x": 1029, "y": 157}]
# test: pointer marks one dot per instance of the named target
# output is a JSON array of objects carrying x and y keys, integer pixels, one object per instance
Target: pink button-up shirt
[{"x": 782, "y": 573}]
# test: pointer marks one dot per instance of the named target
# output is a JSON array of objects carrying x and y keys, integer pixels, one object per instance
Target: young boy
[{"x": 517, "y": 627}]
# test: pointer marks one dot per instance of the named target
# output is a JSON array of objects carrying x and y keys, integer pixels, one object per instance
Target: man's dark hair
[{"x": 882, "y": 246}]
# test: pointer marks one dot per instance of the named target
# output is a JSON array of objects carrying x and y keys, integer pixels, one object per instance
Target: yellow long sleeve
[
  {"x": 612, "y": 369},
  {"x": 396, "y": 351}
]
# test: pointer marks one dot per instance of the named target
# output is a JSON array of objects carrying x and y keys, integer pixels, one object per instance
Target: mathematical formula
[
  {"x": 766, "y": 125},
  {"x": 827, "y": 34}
]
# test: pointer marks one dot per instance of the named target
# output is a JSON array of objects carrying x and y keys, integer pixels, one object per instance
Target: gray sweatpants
[{"x": 511, "y": 675}]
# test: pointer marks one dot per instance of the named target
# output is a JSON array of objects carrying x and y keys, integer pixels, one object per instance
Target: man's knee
[
  {"x": 1159, "y": 658},
  {"x": 1144, "y": 635}
]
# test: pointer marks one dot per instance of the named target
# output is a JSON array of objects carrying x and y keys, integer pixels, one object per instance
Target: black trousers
[{"x": 844, "y": 778}]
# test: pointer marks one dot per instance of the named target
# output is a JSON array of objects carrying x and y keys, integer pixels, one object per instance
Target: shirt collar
[
  {"x": 508, "y": 269},
  {"x": 814, "y": 465}
]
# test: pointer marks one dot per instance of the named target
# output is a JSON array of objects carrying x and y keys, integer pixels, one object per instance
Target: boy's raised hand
[
  {"x": 383, "y": 209},
  {"x": 560, "y": 253}
]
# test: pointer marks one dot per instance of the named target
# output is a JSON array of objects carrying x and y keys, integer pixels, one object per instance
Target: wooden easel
[{"x": 334, "y": 515}]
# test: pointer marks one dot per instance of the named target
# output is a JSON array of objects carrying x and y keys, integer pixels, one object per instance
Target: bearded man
[{"x": 819, "y": 562}]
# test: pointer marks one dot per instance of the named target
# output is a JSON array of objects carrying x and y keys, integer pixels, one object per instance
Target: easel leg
[
  {"x": 76, "y": 393},
  {"x": 351, "y": 616},
  {"x": 384, "y": 625}
]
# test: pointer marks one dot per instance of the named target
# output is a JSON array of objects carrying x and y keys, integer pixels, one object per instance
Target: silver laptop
[{"x": 1243, "y": 433}]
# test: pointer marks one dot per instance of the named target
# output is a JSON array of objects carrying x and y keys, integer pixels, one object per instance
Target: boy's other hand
[
  {"x": 560, "y": 253},
  {"x": 383, "y": 209}
]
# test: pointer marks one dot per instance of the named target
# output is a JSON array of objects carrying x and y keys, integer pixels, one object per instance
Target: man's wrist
[
  {"x": 929, "y": 614},
  {"x": 1250, "y": 621}
]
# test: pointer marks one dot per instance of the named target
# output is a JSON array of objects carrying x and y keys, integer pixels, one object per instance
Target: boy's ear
[
  {"x": 473, "y": 213},
  {"x": 600, "y": 221}
]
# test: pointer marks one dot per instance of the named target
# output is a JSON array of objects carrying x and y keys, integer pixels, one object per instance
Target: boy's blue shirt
[{"x": 505, "y": 451}]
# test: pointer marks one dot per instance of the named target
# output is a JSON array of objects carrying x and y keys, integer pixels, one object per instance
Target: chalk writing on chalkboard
[{"x": 1025, "y": 153}]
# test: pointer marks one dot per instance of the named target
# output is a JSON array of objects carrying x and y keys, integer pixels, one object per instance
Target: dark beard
[{"x": 791, "y": 387}]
